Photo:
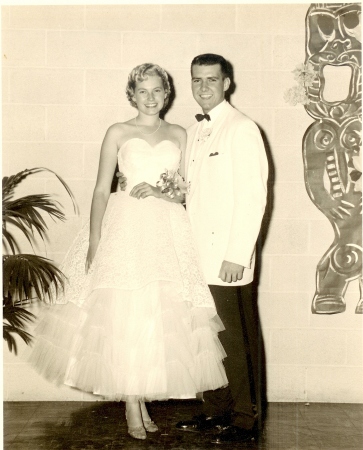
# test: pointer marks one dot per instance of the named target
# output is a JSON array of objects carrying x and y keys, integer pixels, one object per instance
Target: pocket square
[{"x": 214, "y": 154}]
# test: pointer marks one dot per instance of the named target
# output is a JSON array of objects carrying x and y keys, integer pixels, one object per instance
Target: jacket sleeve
[{"x": 249, "y": 172}]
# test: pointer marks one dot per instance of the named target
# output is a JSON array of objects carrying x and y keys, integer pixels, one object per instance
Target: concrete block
[
  {"x": 283, "y": 273},
  {"x": 198, "y": 18},
  {"x": 65, "y": 123},
  {"x": 47, "y": 16},
  {"x": 169, "y": 50},
  {"x": 98, "y": 118},
  {"x": 321, "y": 234},
  {"x": 106, "y": 87},
  {"x": 285, "y": 347},
  {"x": 286, "y": 383},
  {"x": 130, "y": 17},
  {"x": 288, "y": 52},
  {"x": 23, "y": 48},
  {"x": 288, "y": 163},
  {"x": 354, "y": 350},
  {"x": 23, "y": 123},
  {"x": 5, "y": 85},
  {"x": 49, "y": 155},
  {"x": 290, "y": 125},
  {"x": 287, "y": 237},
  {"x": 334, "y": 384},
  {"x": 91, "y": 160},
  {"x": 271, "y": 18},
  {"x": 46, "y": 86},
  {"x": 94, "y": 49},
  {"x": 287, "y": 200},
  {"x": 285, "y": 309},
  {"x": 248, "y": 47},
  {"x": 325, "y": 349},
  {"x": 5, "y": 17}
]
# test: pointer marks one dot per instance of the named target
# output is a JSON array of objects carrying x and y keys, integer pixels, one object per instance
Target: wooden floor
[{"x": 101, "y": 425}]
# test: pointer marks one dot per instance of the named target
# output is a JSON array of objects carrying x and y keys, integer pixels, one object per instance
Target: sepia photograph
[{"x": 182, "y": 225}]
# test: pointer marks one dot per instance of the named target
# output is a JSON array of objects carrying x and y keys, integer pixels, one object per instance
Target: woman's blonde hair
[{"x": 141, "y": 73}]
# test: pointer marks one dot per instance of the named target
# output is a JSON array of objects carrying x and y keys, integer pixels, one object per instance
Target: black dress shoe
[
  {"x": 203, "y": 423},
  {"x": 235, "y": 434}
]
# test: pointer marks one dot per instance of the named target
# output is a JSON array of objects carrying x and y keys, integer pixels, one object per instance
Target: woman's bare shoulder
[{"x": 119, "y": 130}]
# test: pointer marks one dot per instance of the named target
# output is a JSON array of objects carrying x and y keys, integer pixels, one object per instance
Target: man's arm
[{"x": 249, "y": 172}]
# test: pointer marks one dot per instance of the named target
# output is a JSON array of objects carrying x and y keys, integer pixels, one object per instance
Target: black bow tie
[{"x": 200, "y": 117}]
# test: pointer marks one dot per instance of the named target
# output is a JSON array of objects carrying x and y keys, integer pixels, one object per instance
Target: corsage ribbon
[{"x": 172, "y": 184}]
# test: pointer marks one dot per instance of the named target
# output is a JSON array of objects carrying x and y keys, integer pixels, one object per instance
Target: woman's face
[{"x": 149, "y": 95}]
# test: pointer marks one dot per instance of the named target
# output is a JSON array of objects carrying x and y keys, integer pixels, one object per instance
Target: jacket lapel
[{"x": 193, "y": 176}]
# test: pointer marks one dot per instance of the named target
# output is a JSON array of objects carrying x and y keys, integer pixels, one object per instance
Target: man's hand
[
  {"x": 122, "y": 180},
  {"x": 230, "y": 272}
]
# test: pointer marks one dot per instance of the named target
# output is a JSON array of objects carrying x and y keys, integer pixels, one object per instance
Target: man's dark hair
[{"x": 209, "y": 59}]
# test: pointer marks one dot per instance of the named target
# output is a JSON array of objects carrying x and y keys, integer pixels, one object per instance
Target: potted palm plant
[{"x": 26, "y": 276}]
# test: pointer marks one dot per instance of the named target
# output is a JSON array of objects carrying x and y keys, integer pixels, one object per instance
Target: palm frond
[
  {"x": 27, "y": 275},
  {"x": 15, "y": 318},
  {"x": 24, "y": 214},
  {"x": 9, "y": 239},
  {"x": 9, "y": 183}
]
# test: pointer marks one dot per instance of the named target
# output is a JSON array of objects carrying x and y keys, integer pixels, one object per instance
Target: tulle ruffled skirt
[{"x": 141, "y": 324}]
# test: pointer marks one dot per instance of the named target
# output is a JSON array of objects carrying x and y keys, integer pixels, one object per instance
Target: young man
[{"x": 226, "y": 166}]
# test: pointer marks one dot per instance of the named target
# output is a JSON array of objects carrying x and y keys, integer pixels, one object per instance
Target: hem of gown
[{"x": 74, "y": 345}]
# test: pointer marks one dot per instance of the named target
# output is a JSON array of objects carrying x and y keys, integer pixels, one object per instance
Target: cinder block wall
[{"x": 64, "y": 75}]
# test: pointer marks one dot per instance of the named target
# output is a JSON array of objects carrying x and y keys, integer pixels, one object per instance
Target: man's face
[{"x": 208, "y": 86}]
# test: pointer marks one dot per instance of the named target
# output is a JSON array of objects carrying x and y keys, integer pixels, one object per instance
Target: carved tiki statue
[{"x": 331, "y": 148}]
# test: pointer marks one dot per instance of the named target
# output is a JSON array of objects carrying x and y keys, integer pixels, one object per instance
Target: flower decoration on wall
[{"x": 304, "y": 74}]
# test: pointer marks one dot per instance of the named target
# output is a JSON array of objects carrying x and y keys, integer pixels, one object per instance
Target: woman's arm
[{"x": 101, "y": 193}]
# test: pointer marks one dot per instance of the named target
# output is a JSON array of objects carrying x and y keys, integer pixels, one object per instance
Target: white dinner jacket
[{"x": 227, "y": 199}]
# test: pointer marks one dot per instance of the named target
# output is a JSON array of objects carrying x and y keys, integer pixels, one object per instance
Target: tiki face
[
  {"x": 334, "y": 34},
  {"x": 334, "y": 38}
]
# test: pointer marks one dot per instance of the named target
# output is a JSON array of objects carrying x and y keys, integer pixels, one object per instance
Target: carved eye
[
  {"x": 351, "y": 25},
  {"x": 326, "y": 26},
  {"x": 324, "y": 138},
  {"x": 351, "y": 20},
  {"x": 351, "y": 138}
]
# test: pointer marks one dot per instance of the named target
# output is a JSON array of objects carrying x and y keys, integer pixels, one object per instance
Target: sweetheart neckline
[{"x": 151, "y": 146}]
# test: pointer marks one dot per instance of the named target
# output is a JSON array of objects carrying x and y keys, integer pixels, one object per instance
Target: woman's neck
[{"x": 147, "y": 121}]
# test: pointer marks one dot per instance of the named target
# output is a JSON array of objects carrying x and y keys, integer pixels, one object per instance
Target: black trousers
[{"x": 244, "y": 364}]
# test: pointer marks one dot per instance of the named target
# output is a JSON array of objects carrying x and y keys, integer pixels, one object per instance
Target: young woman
[{"x": 139, "y": 324}]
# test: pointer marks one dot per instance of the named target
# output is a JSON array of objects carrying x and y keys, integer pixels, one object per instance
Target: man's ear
[{"x": 226, "y": 84}]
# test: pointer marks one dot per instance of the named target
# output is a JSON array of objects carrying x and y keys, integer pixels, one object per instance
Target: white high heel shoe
[
  {"x": 136, "y": 432},
  {"x": 149, "y": 424}
]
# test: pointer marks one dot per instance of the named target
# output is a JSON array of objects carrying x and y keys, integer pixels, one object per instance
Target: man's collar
[{"x": 214, "y": 113}]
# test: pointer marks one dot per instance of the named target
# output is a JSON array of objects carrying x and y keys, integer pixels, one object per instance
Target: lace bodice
[{"x": 139, "y": 161}]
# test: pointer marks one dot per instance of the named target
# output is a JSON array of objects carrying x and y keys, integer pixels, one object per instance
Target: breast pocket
[{"x": 216, "y": 158}]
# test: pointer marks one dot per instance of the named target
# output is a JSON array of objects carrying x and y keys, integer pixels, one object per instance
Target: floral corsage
[
  {"x": 204, "y": 134},
  {"x": 172, "y": 184}
]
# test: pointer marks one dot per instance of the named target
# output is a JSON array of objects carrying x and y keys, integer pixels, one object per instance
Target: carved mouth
[{"x": 337, "y": 82}]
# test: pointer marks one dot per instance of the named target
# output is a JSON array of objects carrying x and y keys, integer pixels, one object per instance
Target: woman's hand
[
  {"x": 92, "y": 249},
  {"x": 143, "y": 190}
]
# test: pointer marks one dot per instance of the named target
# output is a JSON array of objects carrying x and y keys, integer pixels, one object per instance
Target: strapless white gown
[{"x": 142, "y": 323}]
